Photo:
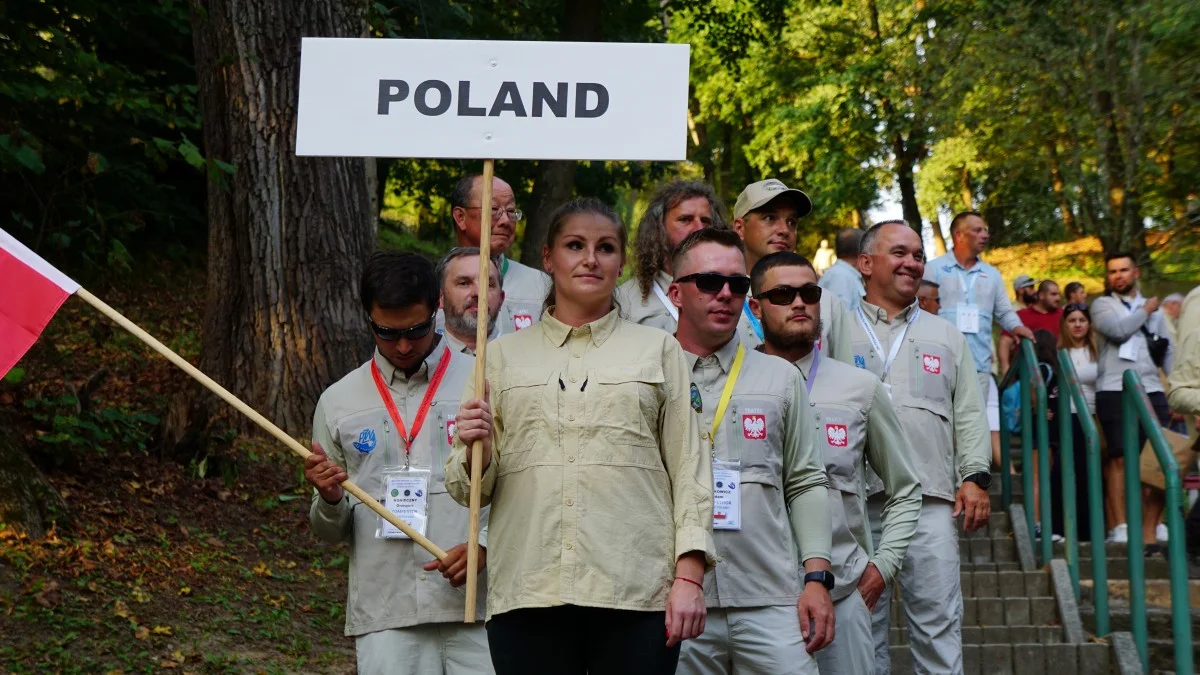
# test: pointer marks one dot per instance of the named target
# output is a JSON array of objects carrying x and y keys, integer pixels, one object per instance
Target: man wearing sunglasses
[
  {"x": 388, "y": 426},
  {"x": 854, "y": 422},
  {"x": 458, "y": 277},
  {"x": 766, "y": 216},
  {"x": 525, "y": 288},
  {"x": 928, "y": 372},
  {"x": 770, "y": 490}
]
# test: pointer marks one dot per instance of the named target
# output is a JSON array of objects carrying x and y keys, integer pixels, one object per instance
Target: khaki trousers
[
  {"x": 753, "y": 641},
  {"x": 427, "y": 649},
  {"x": 853, "y": 649}
]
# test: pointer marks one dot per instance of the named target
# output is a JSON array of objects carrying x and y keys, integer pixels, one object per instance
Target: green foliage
[
  {"x": 97, "y": 100},
  {"x": 67, "y": 430}
]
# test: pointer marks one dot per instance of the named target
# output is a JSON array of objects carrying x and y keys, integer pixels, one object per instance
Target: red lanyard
[{"x": 426, "y": 402}]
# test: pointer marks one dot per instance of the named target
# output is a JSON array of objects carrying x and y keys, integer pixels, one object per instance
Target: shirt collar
[
  {"x": 393, "y": 375},
  {"x": 878, "y": 314},
  {"x": 724, "y": 355},
  {"x": 805, "y": 363},
  {"x": 598, "y": 330},
  {"x": 663, "y": 280}
]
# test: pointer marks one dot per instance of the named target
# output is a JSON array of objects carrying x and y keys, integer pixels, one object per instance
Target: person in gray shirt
[{"x": 842, "y": 278}]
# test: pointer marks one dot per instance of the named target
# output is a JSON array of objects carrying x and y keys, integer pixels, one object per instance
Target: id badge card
[
  {"x": 405, "y": 494},
  {"x": 968, "y": 319},
  {"x": 1129, "y": 350},
  {"x": 727, "y": 495}
]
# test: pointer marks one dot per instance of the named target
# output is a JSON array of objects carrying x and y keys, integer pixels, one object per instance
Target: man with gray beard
[{"x": 458, "y": 276}]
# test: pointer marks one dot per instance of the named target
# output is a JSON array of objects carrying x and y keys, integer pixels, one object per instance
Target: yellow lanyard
[{"x": 727, "y": 393}]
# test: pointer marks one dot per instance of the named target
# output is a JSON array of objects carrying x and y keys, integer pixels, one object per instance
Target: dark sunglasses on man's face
[
  {"x": 411, "y": 333},
  {"x": 711, "y": 282},
  {"x": 786, "y": 295}
]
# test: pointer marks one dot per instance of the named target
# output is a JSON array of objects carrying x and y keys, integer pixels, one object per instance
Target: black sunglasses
[
  {"x": 711, "y": 282},
  {"x": 411, "y": 333},
  {"x": 786, "y": 295},
  {"x": 1076, "y": 307}
]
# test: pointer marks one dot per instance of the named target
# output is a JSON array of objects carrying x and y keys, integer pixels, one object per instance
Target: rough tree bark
[
  {"x": 555, "y": 181},
  {"x": 27, "y": 499},
  {"x": 1059, "y": 187},
  {"x": 288, "y": 236}
]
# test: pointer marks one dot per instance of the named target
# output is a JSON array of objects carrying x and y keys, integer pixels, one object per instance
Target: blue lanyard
[{"x": 755, "y": 324}]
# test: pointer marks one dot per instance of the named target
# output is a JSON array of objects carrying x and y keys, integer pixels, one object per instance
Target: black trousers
[{"x": 572, "y": 640}]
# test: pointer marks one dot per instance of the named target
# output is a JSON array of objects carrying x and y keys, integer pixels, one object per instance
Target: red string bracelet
[{"x": 690, "y": 581}]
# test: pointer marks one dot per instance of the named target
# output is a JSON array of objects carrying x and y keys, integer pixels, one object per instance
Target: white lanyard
[
  {"x": 887, "y": 365},
  {"x": 968, "y": 288},
  {"x": 671, "y": 309}
]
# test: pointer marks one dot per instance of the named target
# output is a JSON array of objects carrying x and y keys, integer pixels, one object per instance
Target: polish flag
[{"x": 31, "y": 291}]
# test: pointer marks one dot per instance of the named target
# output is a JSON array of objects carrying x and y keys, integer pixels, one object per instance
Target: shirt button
[
  {"x": 708, "y": 387},
  {"x": 570, "y": 458},
  {"x": 574, "y": 379},
  {"x": 422, "y": 577},
  {"x": 570, "y": 418},
  {"x": 570, "y": 502},
  {"x": 568, "y": 546}
]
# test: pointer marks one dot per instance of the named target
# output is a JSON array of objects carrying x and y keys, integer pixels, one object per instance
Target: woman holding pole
[{"x": 600, "y": 492}]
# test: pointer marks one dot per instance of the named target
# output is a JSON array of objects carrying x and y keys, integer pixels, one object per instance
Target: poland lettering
[{"x": 435, "y": 97}]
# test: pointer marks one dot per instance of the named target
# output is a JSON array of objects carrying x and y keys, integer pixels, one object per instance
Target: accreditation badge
[
  {"x": 967, "y": 319},
  {"x": 727, "y": 495},
  {"x": 406, "y": 495}
]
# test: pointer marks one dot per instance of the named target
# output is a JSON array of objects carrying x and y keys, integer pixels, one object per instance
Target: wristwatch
[
  {"x": 824, "y": 577},
  {"x": 982, "y": 479}
]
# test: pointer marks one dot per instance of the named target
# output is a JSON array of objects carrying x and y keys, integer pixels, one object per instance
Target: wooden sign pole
[{"x": 481, "y": 334}]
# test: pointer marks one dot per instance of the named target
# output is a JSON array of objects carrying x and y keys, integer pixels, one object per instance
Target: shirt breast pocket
[
  {"x": 623, "y": 404},
  {"x": 932, "y": 372},
  {"x": 364, "y": 438},
  {"x": 754, "y": 434},
  {"x": 441, "y": 430},
  {"x": 520, "y": 416},
  {"x": 840, "y": 439}
]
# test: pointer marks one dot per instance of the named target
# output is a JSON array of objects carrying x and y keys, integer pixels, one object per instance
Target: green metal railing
[
  {"x": 1070, "y": 392},
  {"x": 1031, "y": 380},
  {"x": 1137, "y": 412}
]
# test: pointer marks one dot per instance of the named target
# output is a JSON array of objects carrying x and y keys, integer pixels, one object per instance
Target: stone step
[
  {"x": 990, "y": 567},
  {"x": 1112, "y": 550},
  {"x": 989, "y": 584},
  {"x": 1118, "y": 568},
  {"x": 987, "y": 550},
  {"x": 1023, "y": 659},
  {"x": 979, "y": 635},
  {"x": 981, "y": 612}
]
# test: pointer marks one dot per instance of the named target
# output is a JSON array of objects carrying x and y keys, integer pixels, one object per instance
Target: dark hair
[
  {"x": 454, "y": 254},
  {"x": 1072, "y": 287},
  {"x": 1045, "y": 284},
  {"x": 708, "y": 235},
  {"x": 846, "y": 244},
  {"x": 1045, "y": 345},
  {"x": 930, "y": 284},
  {"x": 1117, "y": 255},
  {"x": 575, "y": 207},
  {"x": 1089, "y": 340},
  {"x": 461, "y": 195},
  {"x": 651, "y": 248},
  {"x": 771, "y": 261},
  {"x": 394, "y": 280},
  {"x": 961, "y": 216}
]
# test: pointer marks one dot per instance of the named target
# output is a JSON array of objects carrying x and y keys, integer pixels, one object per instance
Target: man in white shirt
[{"x": 842, "y": 278}]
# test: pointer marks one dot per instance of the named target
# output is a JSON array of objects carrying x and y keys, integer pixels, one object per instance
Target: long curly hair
[{"x": 652, "y": 250}]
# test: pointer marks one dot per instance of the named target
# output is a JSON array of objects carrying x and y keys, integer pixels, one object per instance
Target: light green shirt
[
  {"x": 784, "y": 504},
  {"x": 1184, "y": 396}
]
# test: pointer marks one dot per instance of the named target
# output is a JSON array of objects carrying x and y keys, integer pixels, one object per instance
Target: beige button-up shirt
[
  {"x": 650, "y": 310},
  {"x": 1184, "y": 396},
  {"x": 767, "y": 426},
  {"x": 598, "y": 482},
  {"x": 388, "y": 588},
  {"x": 835, "y": 329},
  {"x": 935, "y": 392},
  {"x": 855, "y": 423}
]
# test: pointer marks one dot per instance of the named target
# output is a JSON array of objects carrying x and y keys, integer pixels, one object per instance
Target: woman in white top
[{"x": 1076, "y": 336}]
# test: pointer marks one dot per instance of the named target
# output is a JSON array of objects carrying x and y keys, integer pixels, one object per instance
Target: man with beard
[
  {"x": 525, "y": 287},
  {"x": 928, "y": 372},
  {"x": 676, "y": 210},
  {"x": 398, "y": 409},
  {"x": 458, "y": 276},
  {"x": 770, "y": 496},
  {"x": 766, "y": 216},
  {"x": 1125, "y": 323},
  {"x": 855, "y": 423}
]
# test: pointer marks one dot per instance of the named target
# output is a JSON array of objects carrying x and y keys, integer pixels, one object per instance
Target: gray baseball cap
[
  {"x": 757, "y": 195},
  {"x": 1023, "y": 281}
]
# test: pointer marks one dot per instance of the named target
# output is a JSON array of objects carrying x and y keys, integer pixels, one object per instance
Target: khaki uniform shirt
[
  {"x": 650, "y": 310},
  {"x": 855, "y": 423},
  {"x": 935, "y": 392},
  {"x": 461, "y": 347},
  {"x": 598, "y": 482},
  {"x": 768, "y": 427},
  {"x": 835, "y": 327},
  {"x": 525, "y": 289},
  {"x": 1184, "y": 396},
  {"x": 388, "y": 588}
]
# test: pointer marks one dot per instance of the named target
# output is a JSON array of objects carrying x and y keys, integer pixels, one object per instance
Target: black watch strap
[
  {"x": 823, "y": 577},
  {"x": 982, "y": 479}
]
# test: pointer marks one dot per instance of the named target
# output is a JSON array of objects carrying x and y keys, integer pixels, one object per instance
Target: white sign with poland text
[{"x": 492, "y": 100}]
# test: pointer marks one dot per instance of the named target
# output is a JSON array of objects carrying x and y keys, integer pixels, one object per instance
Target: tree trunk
[
  {"x": 1060, "y": 194},
  {"x": 905, "y": 164},
  {"x": 27, "y": 500},
  {"x": 555, "y": 180},
  {"x": 288, "y": 236}
]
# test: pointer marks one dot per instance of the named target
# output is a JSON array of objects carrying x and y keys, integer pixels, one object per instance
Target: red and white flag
[{"x": 31, "y": 291}]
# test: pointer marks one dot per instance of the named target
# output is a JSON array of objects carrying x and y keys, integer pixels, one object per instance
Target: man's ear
[
  {"x": 756, "y": 308},
  {"x": 459, "y": 214},
  {"x": 674, "y": 295},
  {"x": 864, "y": 264},
  {"x": 739, "y": 226}
]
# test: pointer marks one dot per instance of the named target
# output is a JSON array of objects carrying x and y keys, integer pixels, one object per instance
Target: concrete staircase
[{"x": 1017, "y": 619}]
